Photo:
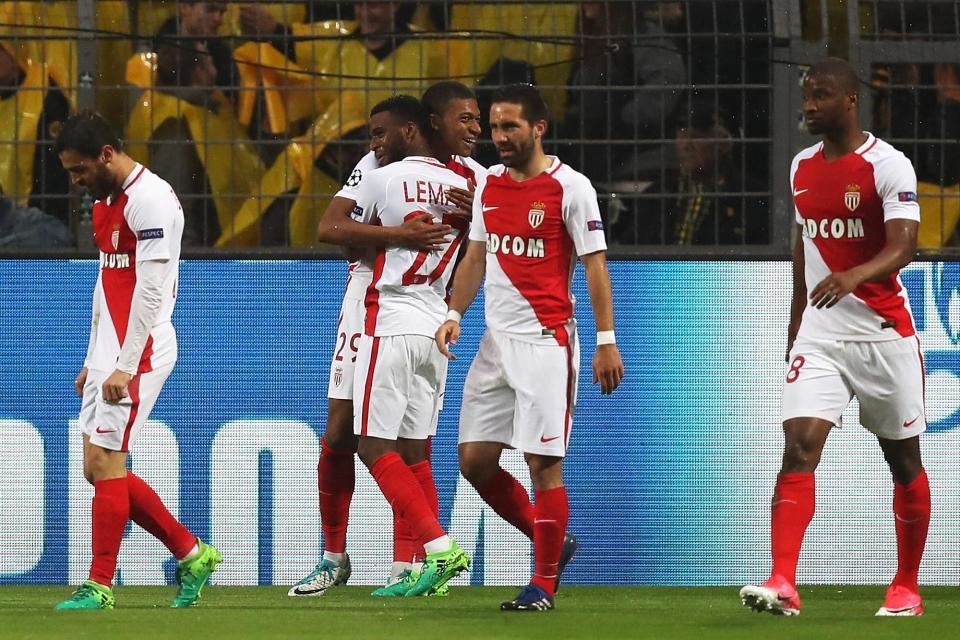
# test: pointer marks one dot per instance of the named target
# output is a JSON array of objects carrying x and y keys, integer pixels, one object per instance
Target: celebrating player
[
  {"x": 454, "y": 126},
  {"x": 851, "y": 332},
  {"x": 137, "y": 224},
  {"x": 532, "y": 218}
]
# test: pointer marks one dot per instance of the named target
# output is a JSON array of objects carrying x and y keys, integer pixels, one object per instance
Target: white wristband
[
  {"x": 456, "y": 316},
  {"x": 606, "y": 337}
]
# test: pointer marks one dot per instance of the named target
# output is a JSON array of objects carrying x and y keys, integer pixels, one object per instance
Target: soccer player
[
  {"x": 454, "y": 130},
  {"x": 532, "y": 218},
  {"x": 137, "y": 225},
  {"x": 851, "y": 332}
]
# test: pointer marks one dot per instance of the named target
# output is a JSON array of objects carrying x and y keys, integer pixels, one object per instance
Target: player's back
[
  {"x": 842, "y": 206},
  {"x": 407, "y": 294}
]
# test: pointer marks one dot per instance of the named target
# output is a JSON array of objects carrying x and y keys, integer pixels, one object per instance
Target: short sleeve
[
  {"x": 794, "y": 165},
  {"x": 152, "y": 222},
  {"x": 581, "y": 215},
  {"x": 478, "y": 230},
  {"x": 367, "y": 194},
  {"x": 897, "y": 187},
  {"x": 351, "y": 187}
]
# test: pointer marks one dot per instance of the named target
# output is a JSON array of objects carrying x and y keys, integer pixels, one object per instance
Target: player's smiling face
[
  {"x": 459, "y": 126},
  {"x": 825, "y": 104},
  {"x": 90, "y": 173},
  {"x": 387, "y": 138},
  {"x": 514, "y": 136}
]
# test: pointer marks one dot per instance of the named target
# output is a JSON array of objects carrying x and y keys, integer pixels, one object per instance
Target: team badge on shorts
[
  {"x": 115, "y": 238},
  {"x": 536, "y": 215},
  {"x": 852, "y": 197},
  {"x": 337, "y": 377}
]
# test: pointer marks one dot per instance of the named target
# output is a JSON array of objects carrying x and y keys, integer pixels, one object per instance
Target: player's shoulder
[
  {"x": 471, "y": 164},
  {"x": 571, "y": 180},
  {"x": 878, "y": 151},
  {"x": 148, "y": 188},
  {"x": 806, "y": 154}
]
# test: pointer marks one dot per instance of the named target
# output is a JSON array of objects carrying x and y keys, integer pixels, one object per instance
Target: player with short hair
[
  {"x": 454, "y": 130},
  {"x": 137, "y": 225},
  {"x": 851, "y": 332},
  {"x": 532, "y": 218}
]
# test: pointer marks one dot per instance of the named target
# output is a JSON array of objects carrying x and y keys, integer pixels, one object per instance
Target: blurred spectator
[
  {"x": 32, "y": 108},
  {"x": 615, "y": 95},
  {"x": 703, "y": 204},
  {"x": 29, "y": 228},
  {"x": 200, "y": 21},
  {"x": 189, "y": 136}
]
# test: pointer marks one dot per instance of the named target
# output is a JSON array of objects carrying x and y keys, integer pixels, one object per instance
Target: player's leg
[
  {"x": 889, "y": 384},
  {"x": 814, "y": 397}
]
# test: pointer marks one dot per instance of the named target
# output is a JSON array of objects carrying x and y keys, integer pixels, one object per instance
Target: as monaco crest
[
  {"x": 337, "y": 377},
  {"x": 536, "y": 215},
  {"x": 852, "y": 197},
  {"x": 115, "y": 238}
]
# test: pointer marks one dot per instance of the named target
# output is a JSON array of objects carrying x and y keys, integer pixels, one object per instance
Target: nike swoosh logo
[
  {"x": 782, "y": 501},
  {"x": 486, "y": 208},
  {"x": 907, "y": 424},
  {"x": 799, "y": 191},
  {"x": 546, "y": 440},
  {"x": 99, "y": 430}
]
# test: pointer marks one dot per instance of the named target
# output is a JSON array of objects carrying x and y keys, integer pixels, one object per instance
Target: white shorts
[
  {"x": 116, "y": 426},
  {"x": 886, "y": 377},
  {"x": 521, "y": 394},
  {"x": 400, "y": 382},
  {"x": 349, "y": 330}
]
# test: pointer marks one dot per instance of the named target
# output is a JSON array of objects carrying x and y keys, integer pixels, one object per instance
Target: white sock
[
  {"x": 418, "y": 567},
  {"x": 397, "y": 568},
  {"x": 336, "y": 558},
  {"x": 192, "y": 554},
  {"x": 437, "y": 545}
]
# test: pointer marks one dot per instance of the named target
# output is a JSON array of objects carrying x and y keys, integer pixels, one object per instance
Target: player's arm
[
  {"x": 466, "y": 284},
  {"x": 81, "y": 378},
  {"x": 607, "y": 363},
  {"x": 799, "y": 301},
  {"x": 337, "y": 226}
]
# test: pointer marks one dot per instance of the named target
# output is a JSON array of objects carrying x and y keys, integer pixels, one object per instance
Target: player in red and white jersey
[
  {"x": 532, "y": 218},
  {"x": 851, "y": 332},
  {"x": 137, "y": 225},
  {"x": 455, "y": 120}
]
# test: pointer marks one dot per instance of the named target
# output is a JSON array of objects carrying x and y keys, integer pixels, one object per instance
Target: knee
[
  {"x": 339, "y": 429},
  {"x": 477, "y": 469},
  {"x": 88, "y": 474},
  {"x": 799, "y": 457}
]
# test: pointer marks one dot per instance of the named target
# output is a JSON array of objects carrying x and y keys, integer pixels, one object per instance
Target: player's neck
[
  {"x": 840, "y": 143},
  {"x": 124, "y": 167},
  {"x": 538, "y": 163}
]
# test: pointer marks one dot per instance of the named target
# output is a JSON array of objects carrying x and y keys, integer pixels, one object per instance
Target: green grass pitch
[{"x": 664, "y": 613}]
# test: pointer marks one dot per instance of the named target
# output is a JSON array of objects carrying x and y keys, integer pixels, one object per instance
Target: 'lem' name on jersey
[
  {"x": 425, "y": 192},
  {"x": 515, "y": 245},
  {"x": 114, "y": 260},
  {"x": 835, "y": 228}
]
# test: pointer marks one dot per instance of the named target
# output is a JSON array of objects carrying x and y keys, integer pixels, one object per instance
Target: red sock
[
  {"x": 405, "y": 548},
  {"x": 424, "y": 475},
  {"x": 148, "y": 511},
  {"x": 510, "y": 500},
  {"x": 791, "y": 511},
  {"x": 111, "y": 510},
  {"x": 335, "y": 479},
  {"x": 549, "y": 527},
  {"x": 403, "y": 492},
  {"x": 911, "y": 506}
]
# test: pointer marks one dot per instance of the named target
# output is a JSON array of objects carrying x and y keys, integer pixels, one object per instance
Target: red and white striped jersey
[
  {"x": 534, "y": 230},
  {"x": 408, "y": 292},
  {"x": 145, "y": 222},
  {"x": 842, "y": 206},
  {"x": 360, "y": 272}
]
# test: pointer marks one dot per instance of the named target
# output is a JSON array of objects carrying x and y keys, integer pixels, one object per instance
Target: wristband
[
  {"x": 606, "y": 337},
  {"x": 454, "y": 315}
]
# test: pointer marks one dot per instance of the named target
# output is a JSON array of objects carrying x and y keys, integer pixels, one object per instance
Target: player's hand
[
  {"x": 463, "y": 198},
  {"x": 80, "y": 381},
  {"x": 792, "y": 332},
  {"x": 115, "y": 387},
  {"x": 255, "y": 21},
  {"x": 832, "y": 289},
  {"x": 422, "y": 234},
  {"x": 607, "y": 368},
  {"x": 447, "y": 334}
]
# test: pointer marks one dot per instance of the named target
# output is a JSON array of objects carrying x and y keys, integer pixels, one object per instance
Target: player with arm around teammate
[
  {"x": 533, "y": 217},
  {"x": 455, "y": 123},
  {"x": 137, "y": 224},
  {"x": 851, "y": 333}
]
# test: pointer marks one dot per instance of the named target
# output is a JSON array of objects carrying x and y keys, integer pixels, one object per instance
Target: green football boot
[
  {"x": 438, "y": 569},
  {"x": 399, "y": 586},
  {"x": 89, "y": 595},
  {"x": 193, "y": 574}
]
